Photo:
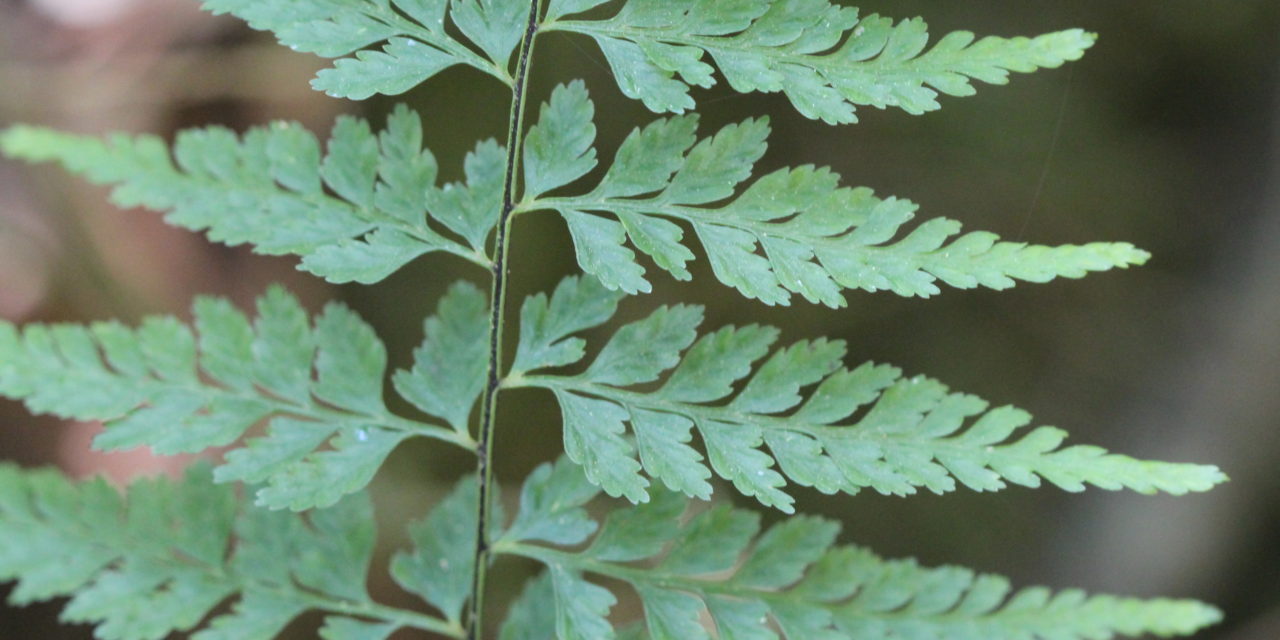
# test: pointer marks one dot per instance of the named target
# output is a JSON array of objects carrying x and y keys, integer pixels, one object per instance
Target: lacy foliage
[
  {"x": 320, "y": 385},
  {"x": 355, "y": 214},
  {"x": 766, "y": 415},
  {"x": 160, "y": 559},
  {"x": 823, "y": 57},
  {"x": 792, "y": 231},
  {"x": 717, "y": 564}
]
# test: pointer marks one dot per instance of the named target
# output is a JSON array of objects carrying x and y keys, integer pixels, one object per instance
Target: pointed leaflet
[
  {"x": 533, "y": 615},
  {"x": 800, "y": 416},
  {"x": 593, "y": 438},
  {"x": 581, "y": 607},
  {"x": 155, "y": 562},
  {"x": 145, "y": 384},
  {"x": 321, "y": 478},
  {"x": 665, "y": 453},
  {"x": 600, "y": 244},
  {"x": 257, "y": 615},
  {"x": 496, "y": 26},
  {"x": 793, "y": 231},
  {"x": 821, "y": 56},
  {"x": 443, "y": 560},
  {"x": 547, "y": 323},
  {"x": 551, "y": 506},
  {"x": 672, "y": 615},
  {"x": 267, "y": 188},
  {"x": 471, "y": 210},
  {"x": 711, "y": 542},
  {"x": 643, "y": 532},
  {"x": 639, "y": 353},
  {"x": 412, "y": 38},
  {"x": 558, "y": 149},
  {"x": 449, "y": 368},
  {"x": 795, "y": 577}
]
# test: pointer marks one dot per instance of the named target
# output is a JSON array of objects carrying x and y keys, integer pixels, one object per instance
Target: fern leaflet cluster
[
  {"x": 717, "y": 564},
  {"x": 817, "y": 237},
  {"x": 823, "y": 57},
  {"x": 178, "y": 391},
  {"x": 155, "y": 561},
  {"x": 355, "y": 214},
  {"x": 415, "y": 40},
  {"x": 823, "y": 425}
]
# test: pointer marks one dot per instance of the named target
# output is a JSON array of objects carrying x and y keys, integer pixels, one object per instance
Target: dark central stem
[{"x": 498, "y": 299}]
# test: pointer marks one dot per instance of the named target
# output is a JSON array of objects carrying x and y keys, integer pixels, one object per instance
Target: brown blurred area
[{"x": 1166, "y": 135}]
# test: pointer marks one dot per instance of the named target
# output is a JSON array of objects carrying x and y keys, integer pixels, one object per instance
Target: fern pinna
[{"x": 664, "y": 417}]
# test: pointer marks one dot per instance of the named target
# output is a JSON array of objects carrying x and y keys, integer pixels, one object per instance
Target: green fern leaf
[
  {"x": 547, "y": 324},
  {"x": 799, "y": 415},
  {"x": 155, "y": 562},
  {"x": 449, "y": 368},
  {"x": 533, "y": 614},
  {"x": 441, "y": 566},
  {"x": 715, "y": 567},
  {"x": 147, "y": 385},
  {"x": 793, "y": 231},
  {"x": 558, "y": 149},
  {"x": 581, "y": 607},
  {"x": 416, "y": 43},
  {"x": 496, "y": 26},
  {"x": 821, "y": 56},
  {"x": 267, "y": 188},
  {"x": 263, "y": 615},
  {"x": 551, "y": 506},
  {"x": 471, "y": 209}
]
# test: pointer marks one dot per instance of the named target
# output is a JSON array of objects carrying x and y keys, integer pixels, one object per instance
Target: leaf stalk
[{"x": 489, "y": 400}]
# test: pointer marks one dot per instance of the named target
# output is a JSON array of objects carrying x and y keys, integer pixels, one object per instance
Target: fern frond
[
  {"x": 174, "y": 390},
  {"x": 791, "y": 582},
  {"x": 155, "y": 561},
  {"x": 820, "y": 55},
  {"x": 414, "y": 37},
  {"x": 794, "y": 230},
  {"x": 355, "y": 214},
  {"x": 797, "y": 414}
]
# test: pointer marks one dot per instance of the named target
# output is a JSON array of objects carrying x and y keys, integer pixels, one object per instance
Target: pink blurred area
[{"x": 67, "y": 254}]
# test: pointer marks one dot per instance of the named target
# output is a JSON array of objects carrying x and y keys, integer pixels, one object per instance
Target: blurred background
[{"x": 1167, "y": 135}]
